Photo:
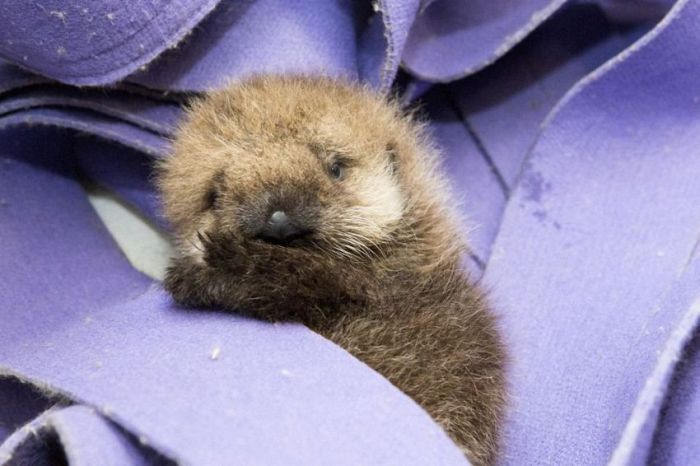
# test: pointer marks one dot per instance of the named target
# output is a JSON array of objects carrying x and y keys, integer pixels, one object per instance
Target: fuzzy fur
[{"x": 380, "y": 272}]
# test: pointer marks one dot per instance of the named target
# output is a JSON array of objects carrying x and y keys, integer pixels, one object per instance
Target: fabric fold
[
  {"x": 570, "y": 138},
  {"x": 112, "y": 339},
  {"x": 586, "y": 254},
  {"x": 76, "y": 435},
  {"x": 452, "y": 39},
  {"x": 93, "y": 43}
]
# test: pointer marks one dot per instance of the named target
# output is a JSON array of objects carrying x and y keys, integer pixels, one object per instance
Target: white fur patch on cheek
[{"x": 382, "y": 201}]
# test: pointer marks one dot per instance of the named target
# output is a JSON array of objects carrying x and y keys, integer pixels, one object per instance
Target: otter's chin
[{"x": 302, "y": 240}]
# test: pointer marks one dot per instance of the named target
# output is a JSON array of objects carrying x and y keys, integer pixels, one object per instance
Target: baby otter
[{"x": 318, "y": 201}]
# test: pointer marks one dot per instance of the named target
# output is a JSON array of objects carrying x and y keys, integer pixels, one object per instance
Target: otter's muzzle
[{"x": 280, "y": 229}]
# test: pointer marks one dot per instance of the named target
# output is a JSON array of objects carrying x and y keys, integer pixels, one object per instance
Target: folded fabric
[
  {"x": 574, "y": 159},
  {"x": 593, "y": 266},
  {"x": 453, "y": 39},
  {"x": 170, "y": 375},
  {"x": 92, "y": 43},
  {"x": 156, "y": 116},
  {"x": 496, "y": 114},
  {"x": 79, "y": 436}
]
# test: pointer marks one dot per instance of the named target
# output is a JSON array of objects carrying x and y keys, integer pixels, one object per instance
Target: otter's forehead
[{"x": 325, "y": 113}]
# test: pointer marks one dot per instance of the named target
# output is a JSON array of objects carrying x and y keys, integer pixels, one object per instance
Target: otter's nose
[{"x": 280, "y": 229}]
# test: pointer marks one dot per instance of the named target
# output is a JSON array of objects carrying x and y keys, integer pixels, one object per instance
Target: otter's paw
[{"x": 188, "y": 282}]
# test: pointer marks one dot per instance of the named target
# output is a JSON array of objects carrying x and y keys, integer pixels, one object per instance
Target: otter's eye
[
  {"x": 211, "y": 198},
  {"x": 337, "y": 170}
]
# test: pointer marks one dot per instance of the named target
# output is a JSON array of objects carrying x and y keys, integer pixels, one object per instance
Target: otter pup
[{"x": 313, "y": 200}]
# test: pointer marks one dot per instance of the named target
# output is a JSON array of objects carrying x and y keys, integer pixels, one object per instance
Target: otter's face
[
  {"x": 282, "y": 189},
  {"x": 314, "y": 169},
  {"x": 304, "y": 192}
]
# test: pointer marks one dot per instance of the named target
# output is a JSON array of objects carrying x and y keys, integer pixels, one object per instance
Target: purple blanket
[{"x": 571, "y": 133}]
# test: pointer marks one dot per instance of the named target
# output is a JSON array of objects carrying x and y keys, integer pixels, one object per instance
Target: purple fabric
[
  {"x": 384, "y": 40},
  {"x": 452, "y": 39},
  {"x": 636, "y": 441},
  {"x": 19, "y": 403},
  {"x": 680, "y": 419},
  {"x": 104, "y": 42},
  {"x": 338, "y": 38},
  {"x": 27, "y": 446},
  {"x": 506, "y": 103},
  {"x": 90, "y": 123},
  {"x": 602, "y": 223},
  {"x": 84, "y": 42},
  {"x": 503, "y": 107},
  {"x": 123, "y": 170},
  {"x": 574, "y": 158},
  {"x": 81, "y": 435},
  {"x": 635, "y": 10},
  {"x": 12, "y": 78},
  {"x": 96, "y": 341},
  {"x": 273, "y": 36},
  {"x": 155, "y": 116}
]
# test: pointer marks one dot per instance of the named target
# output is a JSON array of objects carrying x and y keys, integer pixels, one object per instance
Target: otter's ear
[
  {"x": 392, "y": 157},
  {"x": 213, "y": 193}
]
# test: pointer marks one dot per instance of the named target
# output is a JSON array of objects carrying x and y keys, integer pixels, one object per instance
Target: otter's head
[{"x": 309, "y": 164}]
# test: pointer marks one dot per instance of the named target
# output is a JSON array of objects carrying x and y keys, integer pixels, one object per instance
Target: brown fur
[{"x": 380, "y": 274}]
